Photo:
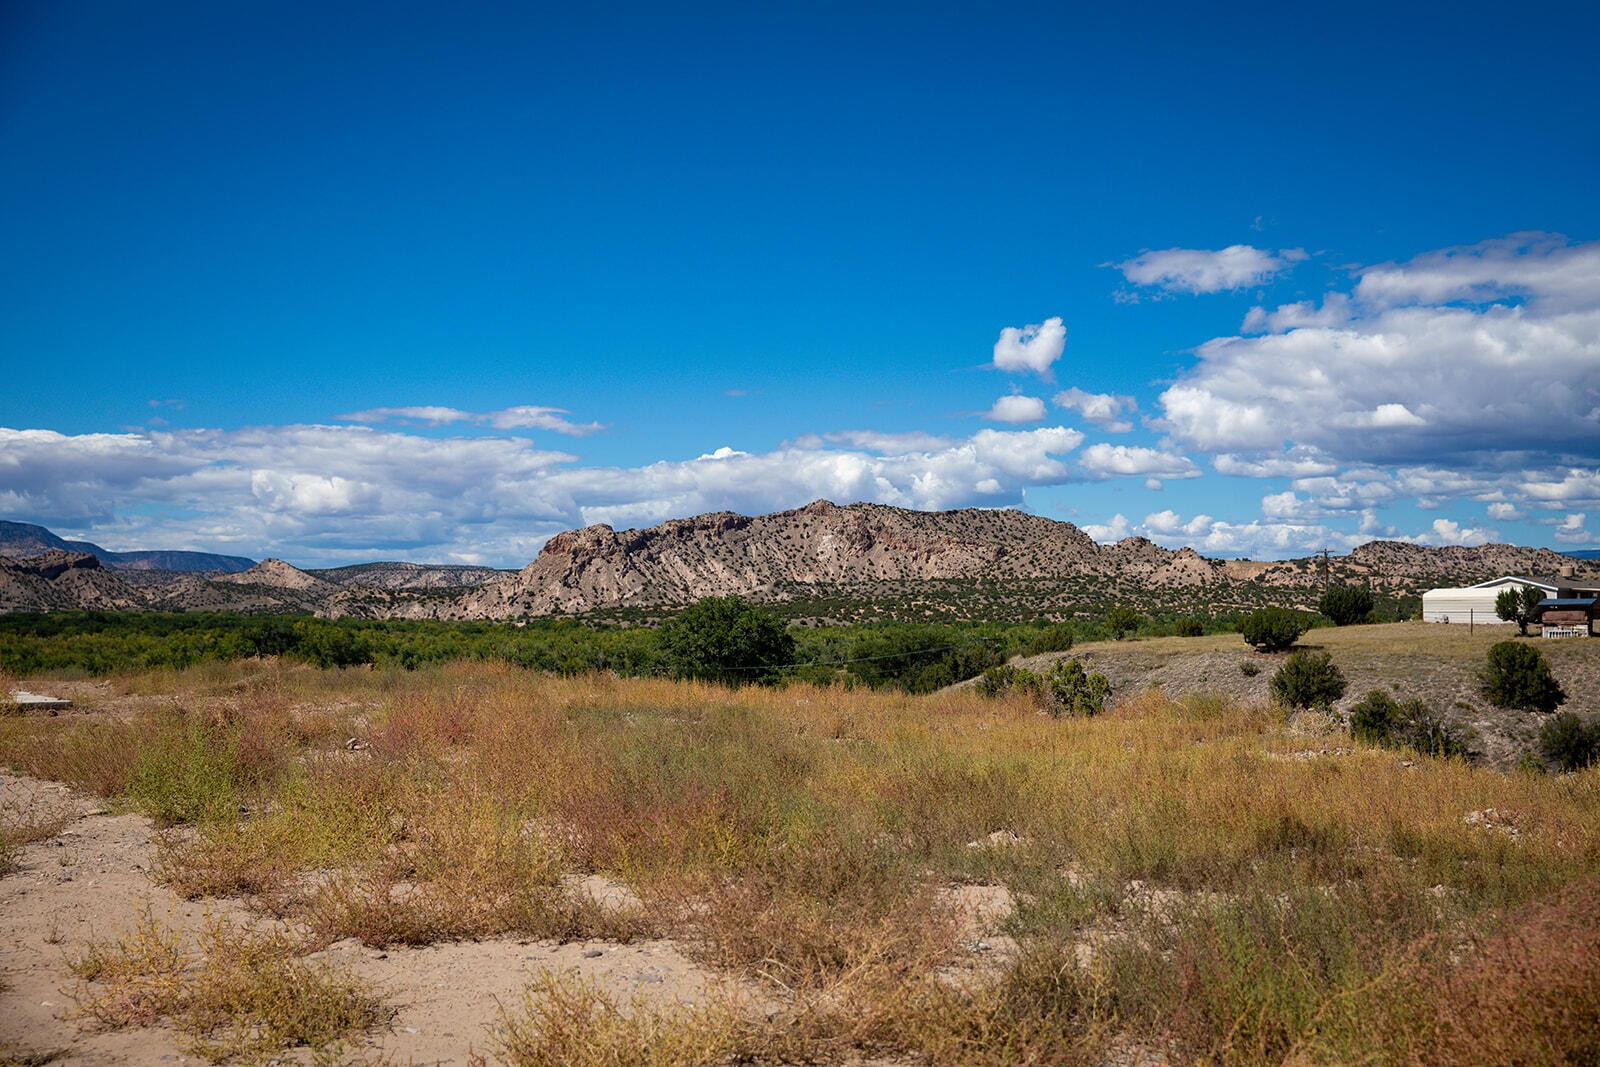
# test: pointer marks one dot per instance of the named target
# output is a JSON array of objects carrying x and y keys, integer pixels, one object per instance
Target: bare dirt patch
[{"x": 92, "y": 881}]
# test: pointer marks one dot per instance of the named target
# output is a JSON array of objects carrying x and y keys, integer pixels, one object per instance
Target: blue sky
[{"x": 338, "y": 282}]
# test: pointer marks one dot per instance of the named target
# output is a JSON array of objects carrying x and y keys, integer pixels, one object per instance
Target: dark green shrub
[
  {"x": 1346, "y": 604},
  {"x": 1517, "y": 676},
  {"x": 1569, "y": 742},
  {"x": 1430, "y": 734},
  {"x": 1057, "y": 638},
  {"x": 1375, "y": 716},
  {"x": 324, "y": 644},
  {"x": 1188, "y": 628},
  {"x": 1381, "y": 720},
  {"x": 1068, "y": 690},
  {"x": 916, "y": 659},
  {"x": 997, "y": 680},
  {"x": 1120, "y": 620},
  {"x": 1273, "y": 629},
  {"x": 1005, "y": 677},
  {"x": 933, "y": 677},
  {"x": 1528, "y": 763},
  {"x": 1307, "y": 680}
]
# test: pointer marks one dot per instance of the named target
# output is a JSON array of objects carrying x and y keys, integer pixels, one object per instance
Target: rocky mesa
[{"x": 819, "y": 546}]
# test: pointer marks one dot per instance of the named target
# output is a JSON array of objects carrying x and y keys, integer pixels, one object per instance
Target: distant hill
[
  {"x": 391, "y": 575},
  {"x": 20, "y": 540},
  {"x": 1584, "y": 553},
  {"x": 59, "y": 580}
]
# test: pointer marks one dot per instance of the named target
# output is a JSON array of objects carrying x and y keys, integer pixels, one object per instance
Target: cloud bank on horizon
[{"x": 1464, "y": 379}]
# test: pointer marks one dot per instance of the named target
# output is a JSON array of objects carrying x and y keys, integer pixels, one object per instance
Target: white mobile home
[{"x": 1475, "y": 603}]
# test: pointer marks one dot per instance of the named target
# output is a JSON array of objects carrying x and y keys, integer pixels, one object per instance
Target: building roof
[
  {"x": 1551, "y": 584},
  {"x": 1569, "y": 602}
]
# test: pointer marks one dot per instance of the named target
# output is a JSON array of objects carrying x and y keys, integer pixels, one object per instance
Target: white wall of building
[
  {"x": 1472, "y": 604},
  {"x": 1460, "y": 606}
]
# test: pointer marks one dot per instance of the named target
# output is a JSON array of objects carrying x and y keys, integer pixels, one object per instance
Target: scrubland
[{"x": 1188, "y": 879}]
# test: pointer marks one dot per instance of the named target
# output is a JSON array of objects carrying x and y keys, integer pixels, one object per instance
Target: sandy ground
[{"x": 92, "y": 879}]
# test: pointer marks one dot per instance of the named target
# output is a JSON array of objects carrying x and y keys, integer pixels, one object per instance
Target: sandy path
[{"x": 91, "y": 880}]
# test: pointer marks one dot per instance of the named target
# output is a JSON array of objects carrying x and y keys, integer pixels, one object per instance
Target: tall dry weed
[
  {"x": 1525, "y": 992},
  {"x": 566, "y": 1021},
  {"x": 243, "y": 995}
]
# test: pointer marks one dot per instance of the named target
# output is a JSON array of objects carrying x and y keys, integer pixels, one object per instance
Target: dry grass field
[{"x": 1187, "y": 878}]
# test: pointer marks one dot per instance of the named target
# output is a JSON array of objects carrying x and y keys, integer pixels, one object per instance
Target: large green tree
[
  {"x": 725, "y": 639},
  {"x": 1517, "y": 605},
  {"x": 1120, "y": 620},
  {"x": 1346, "y": 604}
]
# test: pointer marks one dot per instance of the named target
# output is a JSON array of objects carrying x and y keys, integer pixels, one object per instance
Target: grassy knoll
[
  {"x": 1431, "y": 662},
  {"x": 1191, "y": 876}
]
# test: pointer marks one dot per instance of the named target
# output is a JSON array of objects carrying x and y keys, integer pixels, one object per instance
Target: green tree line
[{"x": 914, "y": 657}]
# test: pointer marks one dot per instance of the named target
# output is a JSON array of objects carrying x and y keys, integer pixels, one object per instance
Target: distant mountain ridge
[
  {"x": 930, "y": 564},
  {"x": 20, "y": 540}
]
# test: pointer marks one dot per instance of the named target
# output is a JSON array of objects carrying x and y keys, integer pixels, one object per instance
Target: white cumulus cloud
[
  {"x": 1297, "y": 462},
  {"x": 1110, "y": 531},
  {"x": 1335, "y": 310},
  {"x": 1031, "y": 348},
  {"x": 1169, "y": 523},
  {"x": 1103, "y": 409},
  {"x": 1448, "y": 532},
  {"x": 1016, "y": 409},
  {"x": 1572, "y": 531},
  {"x": 1111, "y": 461},
  {"x": 1268, "y": 539}
]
